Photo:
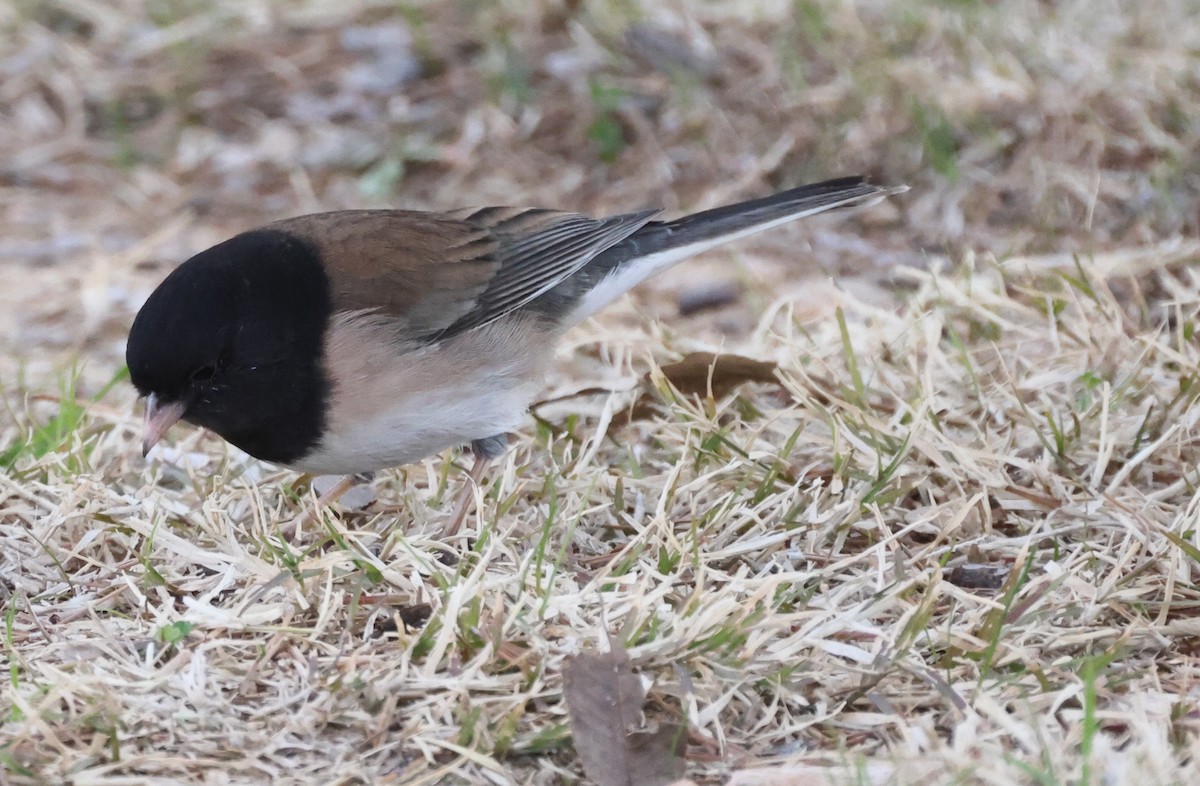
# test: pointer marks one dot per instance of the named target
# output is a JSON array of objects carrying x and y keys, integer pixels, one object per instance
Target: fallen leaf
[
  {"x": 415, "y": 616},
  {"x": 976, "y": 576},
  {"x": 692, "y": 374},
  {"x": 604, "y": 704},
  {"x": 699, "y": 373}
]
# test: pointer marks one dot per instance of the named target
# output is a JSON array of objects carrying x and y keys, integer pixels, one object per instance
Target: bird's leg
[
  {"x": 330, "y": 496},
  {"x": 485, "y": 450}
]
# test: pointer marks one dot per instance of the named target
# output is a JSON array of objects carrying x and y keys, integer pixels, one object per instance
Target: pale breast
[{"x": 392, "y": 404}]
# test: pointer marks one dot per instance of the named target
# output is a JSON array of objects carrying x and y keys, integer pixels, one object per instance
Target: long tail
[{"x": 660, "y": 244}]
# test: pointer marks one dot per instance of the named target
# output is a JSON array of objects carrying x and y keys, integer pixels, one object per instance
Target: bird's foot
[{"x": 485, "y": 450}]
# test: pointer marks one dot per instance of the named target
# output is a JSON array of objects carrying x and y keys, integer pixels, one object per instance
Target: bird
[{"x": 346, "y": 342}]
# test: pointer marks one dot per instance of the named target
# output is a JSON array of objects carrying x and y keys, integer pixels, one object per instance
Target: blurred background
[{"x": 134, "y": 133}]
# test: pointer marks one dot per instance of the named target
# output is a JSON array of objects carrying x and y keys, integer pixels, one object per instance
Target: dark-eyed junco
[{"x": 345, "y": 342}]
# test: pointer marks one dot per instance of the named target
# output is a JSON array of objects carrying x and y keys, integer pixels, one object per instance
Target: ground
[{"x": 944, "y": 529}]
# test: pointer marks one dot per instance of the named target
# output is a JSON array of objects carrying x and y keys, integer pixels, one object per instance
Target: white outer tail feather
[{"x": 636, "y": 271}]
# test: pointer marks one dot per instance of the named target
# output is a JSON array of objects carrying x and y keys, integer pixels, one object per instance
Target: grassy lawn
[{"x": 945, "y": 529}]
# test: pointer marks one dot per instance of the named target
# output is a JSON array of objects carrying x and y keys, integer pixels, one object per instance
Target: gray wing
[{"x": 537, "y": 250}]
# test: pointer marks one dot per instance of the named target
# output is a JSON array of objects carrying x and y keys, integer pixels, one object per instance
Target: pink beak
[{"x": 159, "y": 418}]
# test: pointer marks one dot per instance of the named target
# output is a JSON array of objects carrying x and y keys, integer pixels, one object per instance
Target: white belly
[{"x": 389, "y": 406}]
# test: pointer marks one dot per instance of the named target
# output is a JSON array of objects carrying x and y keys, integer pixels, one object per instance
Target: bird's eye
[{"x": 204, "y": 373}]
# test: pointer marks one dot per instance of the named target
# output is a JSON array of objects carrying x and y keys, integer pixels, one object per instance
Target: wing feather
[{"x": 437, "y": 275}]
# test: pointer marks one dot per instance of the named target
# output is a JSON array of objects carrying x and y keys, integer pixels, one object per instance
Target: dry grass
[{"x": 997, "y": 387}]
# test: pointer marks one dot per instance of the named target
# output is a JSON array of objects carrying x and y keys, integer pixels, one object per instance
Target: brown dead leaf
[
  {"x": 604, "y": 703},
  {"x": 699, "y": 373},
  {"x": 414, "y": 616},
  {"x": 973, "y": 575}
]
